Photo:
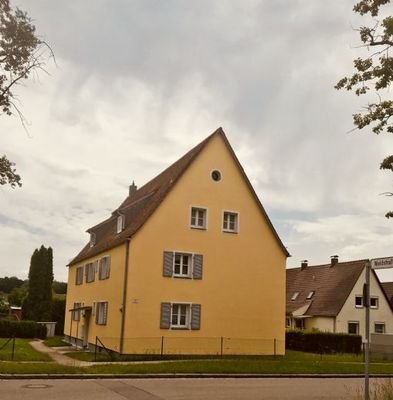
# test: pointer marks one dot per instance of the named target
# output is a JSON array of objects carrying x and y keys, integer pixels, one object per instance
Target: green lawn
[
  {"x": 22, "y": 351},
  {"x": 292, "y": 363},
  {"x": 55, "y": 341}
]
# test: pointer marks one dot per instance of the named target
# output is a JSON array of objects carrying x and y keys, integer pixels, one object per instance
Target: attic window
[
  {"x": 120, "y": 223},
  {"x": 295, "y": 295},
  {"x": 216, "y": 175},
  {"x": 310, "y": 295},
  {"x": 92, "y": 239}
]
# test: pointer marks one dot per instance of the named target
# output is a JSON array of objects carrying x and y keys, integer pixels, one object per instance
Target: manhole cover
[{"x": 36, "y": 386}]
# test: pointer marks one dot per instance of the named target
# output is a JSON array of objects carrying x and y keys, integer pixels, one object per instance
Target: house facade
[
  {"x": 189, "y": 263},
  {"x": 330, "y": 298}
]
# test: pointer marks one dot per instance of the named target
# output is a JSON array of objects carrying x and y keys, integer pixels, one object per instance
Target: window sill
[
  {"x": 182, "y": 277},
  {"x": 227, "y": 231},
  {"x": 200, "y": 228},
  {"x": 179, "y": 328}
]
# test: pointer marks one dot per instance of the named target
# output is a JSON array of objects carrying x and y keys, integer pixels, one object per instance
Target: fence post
[
  {"x": 222, "y": 346},
  {"x": 13, "y": 348},
  {"x": 162, "y": 346},
  {"x": 275, "y": 347},
  {"x": 95, "y": 350}
]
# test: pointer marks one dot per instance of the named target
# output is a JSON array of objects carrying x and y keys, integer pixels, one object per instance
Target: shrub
[
  {"x": 323, "y": 342},
  {"x": 22, "y": 329}
]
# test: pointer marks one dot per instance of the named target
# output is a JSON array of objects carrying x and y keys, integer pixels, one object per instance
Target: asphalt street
[{"x": 183, "y": 389}]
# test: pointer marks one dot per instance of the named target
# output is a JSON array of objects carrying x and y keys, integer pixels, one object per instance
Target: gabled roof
[
  {"x": 140, "y": 205},
  {"x": 388, "y": 289},
  {"x": 332, "y": 286}
]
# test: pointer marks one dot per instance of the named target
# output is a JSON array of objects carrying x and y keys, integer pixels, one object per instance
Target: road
[{"x": 183, "y": 389}]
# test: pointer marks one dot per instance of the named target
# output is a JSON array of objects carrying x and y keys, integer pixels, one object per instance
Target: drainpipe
[{"x": 124, "y": 305}]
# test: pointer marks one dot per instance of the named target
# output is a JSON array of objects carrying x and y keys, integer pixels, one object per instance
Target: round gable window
[{"x": 216, "y": 175}]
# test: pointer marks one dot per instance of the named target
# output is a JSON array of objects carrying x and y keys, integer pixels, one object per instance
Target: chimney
[
  {"x": 303, "y": 264},
  {"x": 132, "y": 189},
  {"x": 333, "y": 260}
]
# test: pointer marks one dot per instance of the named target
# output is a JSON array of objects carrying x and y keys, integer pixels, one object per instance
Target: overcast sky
[{"x": 138, "y": 83}]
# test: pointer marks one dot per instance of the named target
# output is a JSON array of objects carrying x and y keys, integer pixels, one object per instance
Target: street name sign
[{"x": 381, "y": 263}]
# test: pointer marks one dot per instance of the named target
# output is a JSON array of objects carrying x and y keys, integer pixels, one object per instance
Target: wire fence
[{"x": 219, "y": 346}]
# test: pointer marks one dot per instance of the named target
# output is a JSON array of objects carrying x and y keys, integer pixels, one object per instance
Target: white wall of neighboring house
[
  {"x": 324, "y": 324},
  {"x": 350, "y": 312}
]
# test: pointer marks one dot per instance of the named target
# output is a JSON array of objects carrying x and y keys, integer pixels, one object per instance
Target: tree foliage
[
  {"x": 21, "y": 54},
  {"x": 7, "y": 284},
  {"x": 374, "y": 73},
  {"x": 38, "y": 304}
]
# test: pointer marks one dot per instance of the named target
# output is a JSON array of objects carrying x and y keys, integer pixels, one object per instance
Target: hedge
[
  {"x": 323, "y": 342},
  {"x": 22, "y": 329}
]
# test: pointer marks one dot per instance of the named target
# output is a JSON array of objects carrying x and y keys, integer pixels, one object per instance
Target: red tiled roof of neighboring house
[
  {"x": 141, "y": 204},
  {"x": 331, "y": 286},
  {"x": 388, "y": 289}
]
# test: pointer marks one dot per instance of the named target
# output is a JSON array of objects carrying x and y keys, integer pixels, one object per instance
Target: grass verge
[
  {"x": 55, "y": 341},
  {"x": 22, "y": 351}
]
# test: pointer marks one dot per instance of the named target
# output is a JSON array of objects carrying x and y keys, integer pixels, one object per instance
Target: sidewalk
[{"x": 57, "y": 354}]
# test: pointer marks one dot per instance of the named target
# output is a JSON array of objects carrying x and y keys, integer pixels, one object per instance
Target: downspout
[{"x": 124, "y": 305}]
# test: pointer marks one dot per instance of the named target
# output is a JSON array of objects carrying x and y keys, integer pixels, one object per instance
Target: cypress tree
[{"x": 38, "y": 303}]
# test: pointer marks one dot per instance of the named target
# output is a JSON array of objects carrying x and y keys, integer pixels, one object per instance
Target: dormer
[
  {"x": 93, "y": 239},
  {"x": 120, "y": 223}
]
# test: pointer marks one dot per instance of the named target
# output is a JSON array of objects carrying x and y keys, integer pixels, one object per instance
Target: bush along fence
[
  {"x": 323, "y": 342},
  {"x": 22, "y": 329}
]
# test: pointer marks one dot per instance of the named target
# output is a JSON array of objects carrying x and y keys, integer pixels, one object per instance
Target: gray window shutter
[
  {"x": 165, "y": 318},
  {"x": 198, "y": 266},
  {"x": 108, "y": 266},
  {"x": 196, "y": 316},
  {"x": 168, "y": 264}
]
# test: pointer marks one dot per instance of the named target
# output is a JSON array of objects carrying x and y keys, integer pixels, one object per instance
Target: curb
[{"x": 188, "y": 376}]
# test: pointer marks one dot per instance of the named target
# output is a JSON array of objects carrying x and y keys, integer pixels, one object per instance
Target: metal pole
[
  {"x": 13, "y": 348},
  {"x": 366, "y": 301}
]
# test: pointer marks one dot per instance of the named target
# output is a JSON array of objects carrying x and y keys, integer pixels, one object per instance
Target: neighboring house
[
  {"x": 388, "y": 289},
  {"x": 330, "y": 298},
  {"x": 189, "y": 263}
]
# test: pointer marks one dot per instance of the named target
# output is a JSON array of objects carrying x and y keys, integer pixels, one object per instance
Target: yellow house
[{"x": 189, "y": 263}]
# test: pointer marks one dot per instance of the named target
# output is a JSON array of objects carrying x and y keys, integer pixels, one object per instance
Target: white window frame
[
  {"x": 101, "y": 313},
  {"x": 226, "y": 225},
  {"x": 357, "y": 327},
  {"x": 375, "y": 307},
  {"x": 196, "y": 225},
  {"x": 187, "y": 324},
  {"x": 79, "y": 275},
  {"x": 104, "y": 270},
  {"x": 381, "y": 324},
  {"x": 90, "y": 269},
  {"x": 361, "y": 301},
  {"x": 182, "y": 254},
  {"x": 120, "y": 223}
]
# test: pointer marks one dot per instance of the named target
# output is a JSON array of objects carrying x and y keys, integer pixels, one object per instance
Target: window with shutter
[
  {"x": 79, "y": 276},
  {"x": 182, "y": 265}
]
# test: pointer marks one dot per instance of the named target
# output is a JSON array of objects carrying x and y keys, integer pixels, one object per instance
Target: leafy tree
[
  {"x": 374, "y": 72},
  {"x": 7, "y": 284},
  {"x": 21, "y": 53},
  {"x": 38, "y": 304},
  {"x": 59, "y": 287},
  {"x": 17, "y": 295}
]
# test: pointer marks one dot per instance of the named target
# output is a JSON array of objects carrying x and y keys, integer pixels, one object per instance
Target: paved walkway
[{"x": 57, "y": 354}]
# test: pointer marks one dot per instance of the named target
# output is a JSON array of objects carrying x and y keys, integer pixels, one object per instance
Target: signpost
[{"x": 374, "y": 263}]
